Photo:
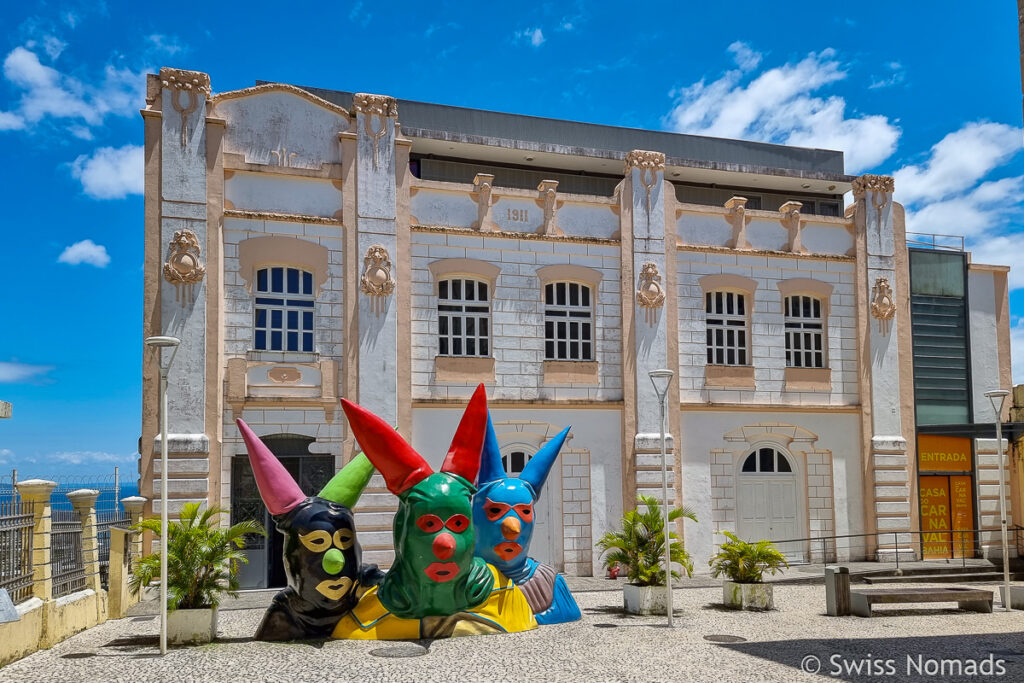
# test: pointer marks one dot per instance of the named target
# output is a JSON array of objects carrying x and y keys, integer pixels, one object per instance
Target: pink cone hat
[{"x": 278, "y": 490}]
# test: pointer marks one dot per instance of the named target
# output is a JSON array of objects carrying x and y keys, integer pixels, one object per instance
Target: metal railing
[
  {"x": 961, "y": 544},
  {"x": 927, "y": 240},
  {"x": 67, "y": 564},
  {"x": 16, "y": 571}
]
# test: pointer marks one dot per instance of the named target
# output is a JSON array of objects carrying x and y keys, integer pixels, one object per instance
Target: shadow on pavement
[{"x": 969, "y": 657}]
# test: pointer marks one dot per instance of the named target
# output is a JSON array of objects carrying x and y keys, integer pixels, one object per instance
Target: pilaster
[
  {"x": 377, "y": 248},
  {"x": 189, "y": 256},
  {"x": 644, "y": 191},
  {"x": 886, "y": 447},
  {"x": 83, "y": 501}
]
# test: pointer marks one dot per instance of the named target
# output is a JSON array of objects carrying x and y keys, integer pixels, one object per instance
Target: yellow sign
[
  {"x": 934, "y": 497},
  {"x": 943, "y": 453},
  {"x": 961, "y": 504}
]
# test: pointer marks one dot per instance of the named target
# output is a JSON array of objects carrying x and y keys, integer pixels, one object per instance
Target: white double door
[{"x": 768, "y": 509}]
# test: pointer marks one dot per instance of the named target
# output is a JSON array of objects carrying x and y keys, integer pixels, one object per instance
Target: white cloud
[
  {"x": 111, "y": 172},
  {"x": 46, "y": 93},
  {"x": 12, "y": 372},
  {"x": 958, "y": 161},
  {"x": 534, "y": 36},
  {"x": 166, "y": 45},
  {"x": 85, "y": 251},
  {"x": 1001, "y": 250},
  {"x": 745, "y": 58},
  {"x": 778, "y": 105},
  {"x": 895, "y": 76},
  {"x": 87, "y": 457},
  {"x": 5, "y": 456}
]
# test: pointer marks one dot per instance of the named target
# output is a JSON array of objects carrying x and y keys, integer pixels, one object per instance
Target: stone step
[
  {"x": 377, "y": 499},
  {"x": 383, "y": 557},
  {"x": 375, "y": 538},
  {"x": 374, "y": 520}
]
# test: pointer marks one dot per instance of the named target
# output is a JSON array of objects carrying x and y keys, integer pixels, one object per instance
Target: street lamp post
[
  {"x": 997, "y": 397},
  {"x": 159, "y": 344},
  {"x": 660, "y": 379}
]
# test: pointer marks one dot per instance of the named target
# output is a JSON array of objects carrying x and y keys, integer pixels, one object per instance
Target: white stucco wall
[
  {"x": 767, "y": 339},
  {"x": 283, "y": 194},
  {"x": 517, "y": 314},
  {"x": 704, "y": 431}
]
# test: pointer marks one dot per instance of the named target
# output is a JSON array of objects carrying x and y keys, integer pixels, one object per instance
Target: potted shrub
[
  {"x": 639, "y": 549},
  {"x": 202, "y": 566},
  {"x": 744, "y": 565}
]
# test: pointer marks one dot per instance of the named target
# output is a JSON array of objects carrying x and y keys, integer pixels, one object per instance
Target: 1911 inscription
[{"x": 518, "y": 215}]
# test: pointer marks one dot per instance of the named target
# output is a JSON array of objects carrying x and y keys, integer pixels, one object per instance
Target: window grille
[
  {"x": 568, "y": 322},
  {"x": 767, "y": 461},
  {"x": 283, "y": 317},
  {"x": 463, "y": 317},
  {"x": 726, "y": 328},
  {"x": 514, "y": 462},
  {"x": 804, "y": 332}
]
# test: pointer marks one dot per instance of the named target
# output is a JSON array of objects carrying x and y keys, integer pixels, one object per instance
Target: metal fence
[
  {"x": 16, "y": 524},
  {"x": 109, "y": 511},
  {"x": 67, "y": 564}
]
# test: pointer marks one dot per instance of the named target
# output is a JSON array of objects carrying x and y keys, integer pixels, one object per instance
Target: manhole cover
[
  {"x": 722, "y": 638},
  {"x": 407, "y": 650},
  {"x": 78, "y": 655}
]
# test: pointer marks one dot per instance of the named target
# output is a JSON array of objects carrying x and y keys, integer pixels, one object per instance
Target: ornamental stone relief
[
  {"x": 873, "y": 183},
  {"x": 649, "y": 164},
  {"x": 650, "y": 295},
  {"x": 192, "y": 84},
  {"x": 377, "y": 281},
  {"x": 793, "y": 223},
  {"x": 883, "y": 308},
  {"x": 483, "y": 187},
  {"x": 184, "y": 268},
  {"x": 737, "y": 218},
  {"x": 373, "y": 108}
]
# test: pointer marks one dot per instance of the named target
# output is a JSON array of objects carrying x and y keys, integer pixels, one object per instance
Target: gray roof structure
[{"x": 478, "y": 126}]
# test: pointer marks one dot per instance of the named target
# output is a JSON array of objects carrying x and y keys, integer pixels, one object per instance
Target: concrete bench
[{"x": 973, "y": 599}]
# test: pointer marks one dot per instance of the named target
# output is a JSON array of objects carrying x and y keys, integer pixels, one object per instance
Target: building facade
[{"x": 307, "y": 245}]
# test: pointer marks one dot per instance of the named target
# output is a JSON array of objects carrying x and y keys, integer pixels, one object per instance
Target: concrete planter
[
  {"x": 1016, "y": 596},
  {"x": 644, "y": 600},
  {"x": 749, "y": 596},
  {"x": 191, "y": 626}
]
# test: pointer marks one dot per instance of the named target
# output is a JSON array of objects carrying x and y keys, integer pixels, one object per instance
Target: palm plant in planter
[
  {"x": 202, "y": 566},
  {"x": 745, "y": 564},
  {"x": 639, "y": 548}
]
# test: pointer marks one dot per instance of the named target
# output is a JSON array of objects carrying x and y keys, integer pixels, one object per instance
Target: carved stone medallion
[
  {"x": 650, "y": 295},
  {"x": 184, "y": 267},
  {"x": 192, "y": 84},
  {"x": 373, "y": 107},
  {"x": 377, "y": 280},
  {"x": 883, "y": 308},
  {"x": 649, "y": 164}
]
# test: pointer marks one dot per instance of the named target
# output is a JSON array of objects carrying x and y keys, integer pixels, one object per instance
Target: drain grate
[
  {"x": 395, "y": 651},
  {"x": 143, "y": 618},
  {"x": 606, "y": 625},
  {"x": 78, "y": 655},
  {"x": 723, "y": 638}
]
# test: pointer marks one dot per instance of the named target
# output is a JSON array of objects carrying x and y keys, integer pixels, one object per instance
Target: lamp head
[
  {"x": 660, "y": 379},
  {"x": 162, "y": 341},
  {"x": 997, "y": 397}
]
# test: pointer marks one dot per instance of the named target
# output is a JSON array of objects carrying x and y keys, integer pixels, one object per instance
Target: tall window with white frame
[
  {"x": 805, "y": 343},
  {"x": 727, "y": 335},
  {"x": 283, "y": 315},
  {"x": 463, "y": 317},
  {"x": 568, "y": 322}
]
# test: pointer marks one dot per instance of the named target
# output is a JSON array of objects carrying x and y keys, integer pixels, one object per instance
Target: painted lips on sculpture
[
  {"x": 508, "y": 550},
  {"x": 441, "y": 571},
  {"x": 335, "y": 589}
]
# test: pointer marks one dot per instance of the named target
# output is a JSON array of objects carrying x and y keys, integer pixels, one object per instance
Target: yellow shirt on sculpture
[{"x": 505, "y": 611}]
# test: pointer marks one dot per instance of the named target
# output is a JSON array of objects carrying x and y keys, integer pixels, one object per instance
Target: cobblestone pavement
[{"x": 605, "y": 646}]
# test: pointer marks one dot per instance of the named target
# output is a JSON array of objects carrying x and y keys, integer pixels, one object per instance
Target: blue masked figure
[{"x": 503, "y": 516}]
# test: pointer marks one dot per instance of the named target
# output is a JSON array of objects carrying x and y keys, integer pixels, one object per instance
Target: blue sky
[{"x": 932, "y": 96}]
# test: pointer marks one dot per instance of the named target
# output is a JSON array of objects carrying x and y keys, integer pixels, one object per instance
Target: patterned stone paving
[{"x": 605, "y": 646}]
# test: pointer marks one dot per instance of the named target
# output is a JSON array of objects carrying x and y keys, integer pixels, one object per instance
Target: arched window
[
  {"x": 767, "y": 461},
  {"x": 463, "y": 317},
  {"x": 515, "y": 461},
  {"x": 804, "y": 332},
  {"x": 283, "y": 315},
  {"x": 727, "y": 336},
  {"x": 568, "y": 321}
]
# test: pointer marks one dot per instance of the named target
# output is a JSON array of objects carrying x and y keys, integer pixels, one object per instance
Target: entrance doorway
[
  {"x": 768, "y": 502},
  {"x": 265, "y": 554},
  {"x": 946, "y": 496}
]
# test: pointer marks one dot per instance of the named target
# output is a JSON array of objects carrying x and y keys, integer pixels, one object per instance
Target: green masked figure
[{"x": 436, "y": 587}]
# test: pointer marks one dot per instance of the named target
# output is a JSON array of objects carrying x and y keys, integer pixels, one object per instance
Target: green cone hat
[{"x": 347, "y": 485}]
